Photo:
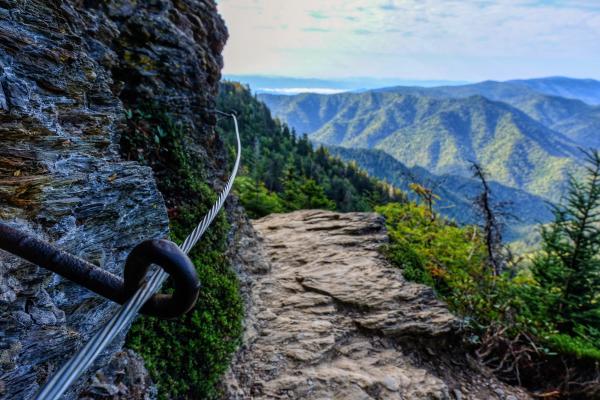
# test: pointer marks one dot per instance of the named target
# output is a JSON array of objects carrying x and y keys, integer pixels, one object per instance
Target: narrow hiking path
[{"x": 329, "y": 318}]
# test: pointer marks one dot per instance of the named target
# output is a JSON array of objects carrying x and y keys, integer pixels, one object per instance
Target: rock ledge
[{"x": 332, "y": 319}]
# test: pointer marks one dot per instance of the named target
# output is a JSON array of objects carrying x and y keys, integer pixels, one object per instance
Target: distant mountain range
[
  {"x": 287, "y": 85},
  {"x": 569, "y": 106},
  {"x": 585, "y": 90},
  {"x": 520, "y": 131}
]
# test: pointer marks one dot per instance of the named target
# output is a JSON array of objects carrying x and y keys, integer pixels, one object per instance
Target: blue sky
[{"x": 413, "y": 39}]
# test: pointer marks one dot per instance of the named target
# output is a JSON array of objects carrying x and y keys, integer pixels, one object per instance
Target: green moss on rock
[{"x": 186, "y": 356}]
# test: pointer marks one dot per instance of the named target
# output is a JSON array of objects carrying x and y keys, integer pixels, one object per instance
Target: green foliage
[
  {"x": 255, "y": 197},
  {"x": 456, "y": 192},
  {"x": 551, "y": 309},
  {"x": 567, "y": 270},
  {"x": 283, "y": 172},
  {"x": 580, "y": 348},
  {"x": 305, "y": 194},
  {"x": 186, "y": 356},
  {"x": 447, "y": 257}
]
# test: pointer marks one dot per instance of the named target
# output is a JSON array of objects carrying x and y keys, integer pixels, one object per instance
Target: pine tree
[
  {"x": 568, "y": 268},
  {"x": 314, "y": 196}
]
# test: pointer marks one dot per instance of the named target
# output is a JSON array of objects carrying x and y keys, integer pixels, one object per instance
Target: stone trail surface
[{"x": 329, "y": 318}]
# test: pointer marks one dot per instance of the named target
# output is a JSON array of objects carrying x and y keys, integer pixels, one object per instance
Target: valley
[
  {"x": 524, "y": 211},
  {"x": 526, "y": 136}
]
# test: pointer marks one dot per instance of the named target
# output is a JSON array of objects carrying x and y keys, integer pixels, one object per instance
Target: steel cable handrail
[{"x": 55, "y": 387}]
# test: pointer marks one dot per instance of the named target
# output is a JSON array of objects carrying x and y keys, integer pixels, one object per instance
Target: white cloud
[{"x": 414, "y": 39}]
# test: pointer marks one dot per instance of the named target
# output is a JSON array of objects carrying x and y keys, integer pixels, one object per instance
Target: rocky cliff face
[
  {"x": 68, "y": 72},
  {"x": 328, "y": 317}
]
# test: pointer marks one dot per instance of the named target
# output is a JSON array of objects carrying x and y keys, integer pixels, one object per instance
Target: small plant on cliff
[
  {"x": 492, "y": 218},
  {"x": 447, "y": 257}
]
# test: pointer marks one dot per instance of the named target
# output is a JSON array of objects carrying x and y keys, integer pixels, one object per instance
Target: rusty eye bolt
[{"x": 163, "y": 253}]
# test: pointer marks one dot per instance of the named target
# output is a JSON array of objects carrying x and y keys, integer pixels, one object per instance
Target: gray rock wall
[{"x": 68, "y": 71}]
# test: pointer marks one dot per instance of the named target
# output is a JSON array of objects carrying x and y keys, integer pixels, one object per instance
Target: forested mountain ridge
[
  {"x": 456, "y": 193},
  {"x": 570, "y": 115},
  {"x": 544, "y": 100},
  {"x": 278, "y": 164},
  {"x": 284, "y": 172},
  {"x": 442, "y": 135}
]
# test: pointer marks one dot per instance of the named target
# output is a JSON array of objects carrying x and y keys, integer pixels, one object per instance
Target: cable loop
[
  {"x": 176, "y": 263},
  {"x": 163, "y": 253}
]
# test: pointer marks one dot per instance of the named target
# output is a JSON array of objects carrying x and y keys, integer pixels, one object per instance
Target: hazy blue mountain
[
  {"x": 493, "y": 90},
  {"x": 290, "y": 85},
  {"x": 441, "y": 134},
  {"x": 456, "y": 192},
  {"x": 587, "y": 90}
]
